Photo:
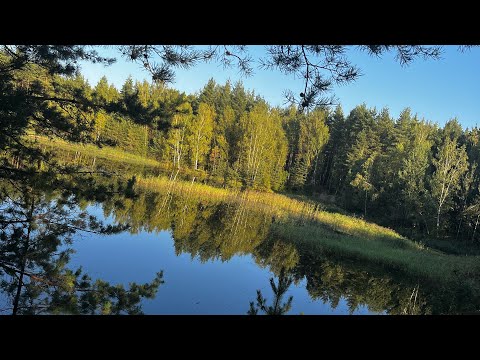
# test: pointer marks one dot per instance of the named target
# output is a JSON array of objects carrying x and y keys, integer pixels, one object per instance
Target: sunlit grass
[
  {"x": 192, "y": 189},
  {"x": 105, "y": 152},
  {"x": 110, "y": 154},
  {"x": 277, "y": 205}
]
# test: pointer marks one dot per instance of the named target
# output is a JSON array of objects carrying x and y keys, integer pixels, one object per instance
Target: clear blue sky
[{"x": 436, "y": 90}]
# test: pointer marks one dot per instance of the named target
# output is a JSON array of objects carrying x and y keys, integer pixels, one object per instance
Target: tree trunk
[
  {"x": 438, "y": 219},
  {"x": 425, "y": 222},
  {"x": 458, "y": 230},
  {"x": 326, "y": 172},
  {"x": 19, "y": 288},
  {"x": 289, "y": 162},
  {"x": 146, "y": 140},
  {"x": 197, "y": 148},
  {"x": 365, "y": 205},
  {"x": 461, "y": 218},
  {"x": 196, "y": 158},
  {"x": 315, "y": 171},
  {"x": 475, "y": 229}
]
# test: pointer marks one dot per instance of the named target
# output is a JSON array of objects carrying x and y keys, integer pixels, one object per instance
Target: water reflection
[
  {"x": 279, "y": 289},
  {"x": 37, "y": 225},
  {"x": 216, "y": 230}
]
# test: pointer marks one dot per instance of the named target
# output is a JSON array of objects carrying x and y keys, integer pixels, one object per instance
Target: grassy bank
[
  {"x": 105, "y": 152},
  {"x": 413, "y": 260},
  {"x": 280, "y": 206},
  {"x": 115, "y": 156}
]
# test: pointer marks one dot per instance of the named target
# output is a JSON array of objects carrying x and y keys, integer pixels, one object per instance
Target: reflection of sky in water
[{"x": 191, "y": 287}]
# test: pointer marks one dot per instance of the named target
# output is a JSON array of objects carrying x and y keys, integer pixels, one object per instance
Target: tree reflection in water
[
  {"x": 37, "y": 226},
  {"x": 208, "y": 229},
  {"x": 279, "y": 290}
]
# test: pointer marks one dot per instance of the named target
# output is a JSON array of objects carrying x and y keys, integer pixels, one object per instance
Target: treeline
[{"x": 407, "y": 173}]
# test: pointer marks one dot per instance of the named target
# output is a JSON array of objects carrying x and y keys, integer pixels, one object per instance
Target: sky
[{"x": 436, "y": 90}]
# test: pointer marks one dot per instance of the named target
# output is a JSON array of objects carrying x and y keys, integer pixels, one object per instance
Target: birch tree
[
  {"x": 416, "y": 158},
  {"x": 176, "y": 137},
  {"x": 313, "y": 135},
  {"x": 263, "y": 146},
  {"x": 201, "y": 132},
  {"x": 451, "y": 164}
]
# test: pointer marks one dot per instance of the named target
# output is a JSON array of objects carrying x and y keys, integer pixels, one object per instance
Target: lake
[
  {"x": 193, "y": 285},
  {"x": 215, "y": 256}
]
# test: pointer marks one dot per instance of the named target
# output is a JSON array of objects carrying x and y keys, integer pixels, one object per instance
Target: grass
[
  {"x": 105, "y": 152},
  {"x": 399, "y": 255},
  {"x": 115, "y": 155},
  {"x": 192, "y": 189},
  {"x": 280, "y": 206}
]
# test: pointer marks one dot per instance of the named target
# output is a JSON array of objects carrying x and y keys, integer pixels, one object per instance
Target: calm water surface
[
  {"x": 215, "y": 255},
  {"x": 192, "y": 286}
]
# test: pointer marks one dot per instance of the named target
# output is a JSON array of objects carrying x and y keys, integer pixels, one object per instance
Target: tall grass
[
  {"x": 105, "y": 152},
  {"x": 115, "y": 155},
  {"x": 278, "y": 205},
  {"x": 186, "y": 188}
]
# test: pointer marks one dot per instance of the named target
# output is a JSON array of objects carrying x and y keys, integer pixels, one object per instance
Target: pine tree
[
  {"x": 279, "y": 290},
  {"x": 333, "y": 148}
]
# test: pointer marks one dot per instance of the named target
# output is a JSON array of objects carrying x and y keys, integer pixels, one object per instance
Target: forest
[
  {"x": 353, "y": 208},
  {"x": 406, "y": 173}
]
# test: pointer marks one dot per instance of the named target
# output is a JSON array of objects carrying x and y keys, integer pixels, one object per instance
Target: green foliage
[
  {"x": 312, "y": 137},
  {"x": 370, "y": 163},
  {"x": 262, "y": 148},
  {"x": 408, "y": 173},
  {"x": 366, "y": 264},
  {"x": 339, "y": 256},
  {"x": 451, "y": 164},
  {"x": 200, "y": 134},
  {"x": 176, "y": 140},
  {"x": 366, "y": 162}
]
